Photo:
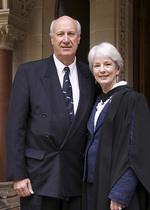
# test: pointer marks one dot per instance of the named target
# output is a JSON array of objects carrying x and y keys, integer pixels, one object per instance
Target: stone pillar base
[{"x": 8, "y": 197}]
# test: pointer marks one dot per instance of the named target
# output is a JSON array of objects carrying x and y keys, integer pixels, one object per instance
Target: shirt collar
[
  {"x": 119, "y": 84},
  {"x": 60, "y": 66}
]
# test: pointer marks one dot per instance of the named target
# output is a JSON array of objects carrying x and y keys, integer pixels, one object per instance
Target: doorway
[
  {"x": 79, "y": 10},
  {"x": 141, "y": 37}
]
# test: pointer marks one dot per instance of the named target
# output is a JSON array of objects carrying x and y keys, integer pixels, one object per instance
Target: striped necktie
[{"x": 67, "y": 91}]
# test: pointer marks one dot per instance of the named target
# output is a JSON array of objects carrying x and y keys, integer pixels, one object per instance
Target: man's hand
[
  {"x": 23, "y": 187},
  {"x": 115, "y": 206}
]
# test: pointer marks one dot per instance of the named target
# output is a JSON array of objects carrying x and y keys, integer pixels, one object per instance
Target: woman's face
[{"x": 105, "y": 72}]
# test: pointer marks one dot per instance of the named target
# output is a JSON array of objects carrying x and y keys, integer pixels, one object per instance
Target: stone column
[
  {"x": 13, "y": 27},
  {"x": 6, "y": 4},
  {"x": 5, "y": 86},
  {"x": 8, "y": 35}
]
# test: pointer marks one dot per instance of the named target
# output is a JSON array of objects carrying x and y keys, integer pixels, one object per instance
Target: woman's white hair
[
  {"x": 52, "y": 27},
  {"x": 105, "y": 50}
]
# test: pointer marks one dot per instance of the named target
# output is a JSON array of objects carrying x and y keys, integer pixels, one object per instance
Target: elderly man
[{"x": 50, "y": 104}]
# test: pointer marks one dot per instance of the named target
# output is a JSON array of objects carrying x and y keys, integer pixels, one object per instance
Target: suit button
[
  {"x": 47, "y": 135},
  {"x": 44, "y": 115}
]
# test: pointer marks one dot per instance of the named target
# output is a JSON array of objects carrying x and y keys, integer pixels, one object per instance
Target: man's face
[{"x": 65, "y": 39}]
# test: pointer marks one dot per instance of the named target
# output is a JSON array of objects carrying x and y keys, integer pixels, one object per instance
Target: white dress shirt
[{"x": 73, "y": 79}]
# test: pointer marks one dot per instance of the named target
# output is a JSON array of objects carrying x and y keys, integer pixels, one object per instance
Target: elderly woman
[{"x": 117, "y": 170}]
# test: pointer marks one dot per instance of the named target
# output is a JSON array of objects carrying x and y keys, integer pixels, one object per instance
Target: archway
[
  {"x": 141, "y": 53},
  {"x": 79, "y": 10}
]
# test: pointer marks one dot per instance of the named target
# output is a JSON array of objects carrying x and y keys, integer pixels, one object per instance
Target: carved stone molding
[
  {"x": 8, "y": 16},
  {"x": 12, "y": 28},
  {"x": 122, "y": 35},
  {"x": 8, "y": 35},
  {"x": 26, "y": 6}
]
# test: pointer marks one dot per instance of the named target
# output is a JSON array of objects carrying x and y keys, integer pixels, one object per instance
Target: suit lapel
[
  {"x": 101, "y": 116},
  {"x": 53, "y": 90},
  {"x": 90, "y": 124},
  {"x": 85, "y": 93},
  {"x": 51, "y": 84}
]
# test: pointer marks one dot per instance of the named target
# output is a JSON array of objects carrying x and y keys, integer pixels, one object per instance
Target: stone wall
[{"x": 112, "y": 21}]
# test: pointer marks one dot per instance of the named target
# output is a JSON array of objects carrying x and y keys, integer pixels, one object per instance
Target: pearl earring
[{"x": 117, "y": 78}]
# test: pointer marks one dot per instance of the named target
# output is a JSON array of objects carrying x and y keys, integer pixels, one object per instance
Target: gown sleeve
[{"x": 124, "y": 188}]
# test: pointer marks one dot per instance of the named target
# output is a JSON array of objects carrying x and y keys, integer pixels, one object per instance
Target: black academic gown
[{"x": 113, "y": 157}]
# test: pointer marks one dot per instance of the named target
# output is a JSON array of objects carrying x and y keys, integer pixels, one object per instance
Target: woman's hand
[{"x": 115, "y": 206}]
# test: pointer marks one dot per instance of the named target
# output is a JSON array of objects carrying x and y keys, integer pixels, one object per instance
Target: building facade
[{"x": 24, "y": 36}]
